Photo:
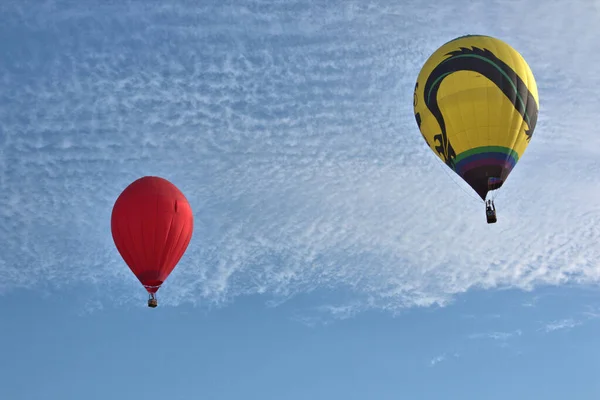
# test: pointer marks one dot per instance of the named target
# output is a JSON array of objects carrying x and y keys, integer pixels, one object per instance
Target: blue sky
[{"x": 333, "y": 257}]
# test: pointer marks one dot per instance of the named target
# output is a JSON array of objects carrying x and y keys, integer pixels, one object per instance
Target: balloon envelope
[
  {"x": 151, "y": 224},
  {"x": 476, "y": 105}
]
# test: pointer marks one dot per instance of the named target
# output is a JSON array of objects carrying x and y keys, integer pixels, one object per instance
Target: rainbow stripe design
[
  {"x": 485, "y": 168},
  {"x": 493, "y": 156}
]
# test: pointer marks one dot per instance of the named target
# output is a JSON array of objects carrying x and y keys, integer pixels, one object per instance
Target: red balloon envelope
[{"x": 152, "y": 224}]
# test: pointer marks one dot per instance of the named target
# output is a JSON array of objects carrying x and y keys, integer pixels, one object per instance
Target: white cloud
[
  {"x": 533, "y": 302},
  {"x": 564, "y": 324},
  {"x": 442, "y": 357},
  {"x": 437, "y": 360},
  {"x": 501, "y": 336},
  {"x": 292, "y": 135}
]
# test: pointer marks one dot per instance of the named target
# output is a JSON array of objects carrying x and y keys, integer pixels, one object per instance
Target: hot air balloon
[
  {"x": 152, "y": 224},
  {"x": 476, "y": 104}
]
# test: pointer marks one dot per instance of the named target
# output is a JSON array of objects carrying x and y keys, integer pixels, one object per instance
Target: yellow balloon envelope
[{"x": 476, "y": 105}]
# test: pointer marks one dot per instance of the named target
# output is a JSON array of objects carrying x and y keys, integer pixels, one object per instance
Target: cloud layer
[{"x": 289, "y": 127}]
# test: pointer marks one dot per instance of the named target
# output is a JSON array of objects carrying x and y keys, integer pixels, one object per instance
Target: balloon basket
[{"x": 152, "y": 303}]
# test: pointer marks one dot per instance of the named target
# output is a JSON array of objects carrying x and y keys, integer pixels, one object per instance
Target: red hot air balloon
[{"x": 152, "y": 224}]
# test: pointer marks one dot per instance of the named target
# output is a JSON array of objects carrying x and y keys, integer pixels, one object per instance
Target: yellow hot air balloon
[{"x": 476, "y": 104}]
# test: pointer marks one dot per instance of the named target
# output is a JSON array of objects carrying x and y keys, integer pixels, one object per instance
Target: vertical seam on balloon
[
  {"x": 514, "y": 110},
  {"x": 143, "y": 241},
  {"x": 462, "y": 118},
  {"x": 489, "y": 135},
  {"x": 522, "y": 128},
  {"x": 132, "y": 241},
  {"x": 165, "y": 250},
  {"x": 525, "y": 80},
  {"x": 180, "y": 249},
  {"x": 500, "y": 94},
  {"x": 124, "y": 250},
  {"x": 439, "y": 79},
  {"x": 177, "y": 244},
  {"x": 154, "y": 246}
]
